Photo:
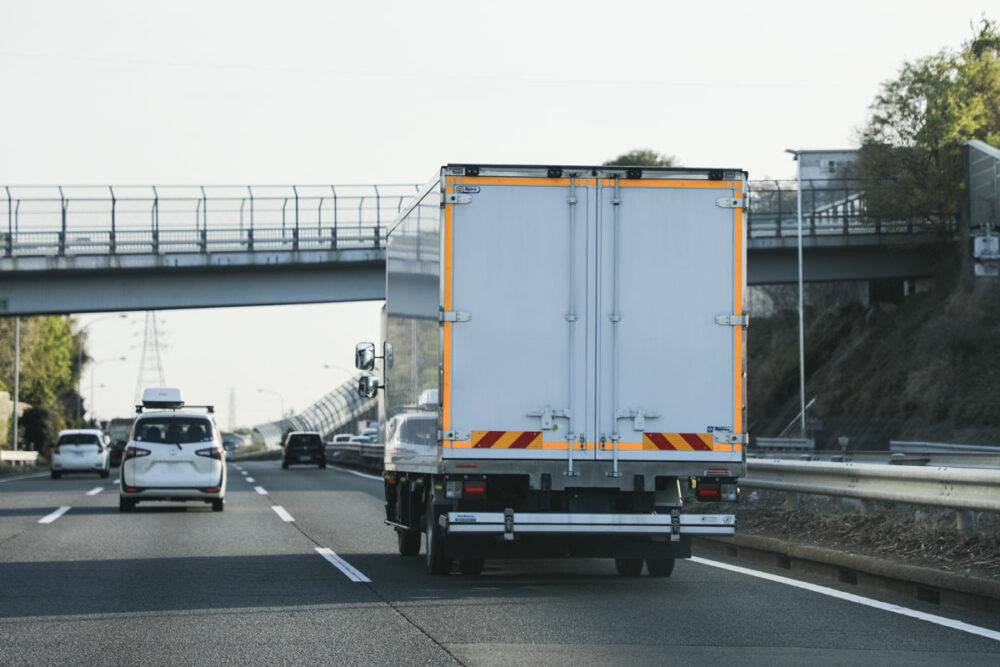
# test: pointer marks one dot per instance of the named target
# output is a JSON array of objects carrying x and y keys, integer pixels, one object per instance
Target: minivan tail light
[
  {"x": 100, "y": 448},
  {"x": 55, "y": 450},
  {"x": 210, "y": 452},
  {"x": 135, "y": 452}
]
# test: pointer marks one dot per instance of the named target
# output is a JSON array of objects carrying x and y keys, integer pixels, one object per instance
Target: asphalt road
[{"x": 175, "y": 585}]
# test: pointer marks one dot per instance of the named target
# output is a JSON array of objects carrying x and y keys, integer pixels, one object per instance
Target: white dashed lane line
[
  {"x": 857, "y": 599},
  {"x": 349, "y": 570},
  {"x": 244, "y": 473},
  {"x": 261, "y": 490},
  {"x": 376, "y": 478},
  {"x": 280, "y": 511},
  {"x": 251, "y": 480},
  {"x": 49, "y": 518},
  {"x": 94, "y": 491}
]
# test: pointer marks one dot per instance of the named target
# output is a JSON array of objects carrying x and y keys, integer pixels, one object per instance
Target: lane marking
[
  {"x": 349, "y": 570},
  {"x": 117, "y": 481},
  {"x": 49, "y": 518},
  {"x": 250, "y": 479},
  {"x": 261, "y": 490},
  {"x": 280, "y": 511},
  {"x": 857, "y": 599},
  {"x": 244, "y": 473},
  {"x": 95, "y": 491},
  {"x": 19, "y": 477},
  {"x": 377, "y": 478}
]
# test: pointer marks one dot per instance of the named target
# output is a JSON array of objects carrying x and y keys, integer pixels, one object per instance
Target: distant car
[
  {"x": 304, "y": 447},
  {"x": 341, "y": 438},
  {"x": 370, "y": 432},
  {"x": 361, "y": 439},
  {"x": 81, "y": 450},
  {"x": 173, "y": 454}
]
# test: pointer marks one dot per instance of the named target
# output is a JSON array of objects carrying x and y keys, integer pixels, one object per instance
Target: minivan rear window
[
  {"x": 172, "y": 430},
  {"x": 78, "y": 439}
]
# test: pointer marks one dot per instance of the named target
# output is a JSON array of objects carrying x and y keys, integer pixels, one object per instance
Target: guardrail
[
  {"x": 20, "y": 457},
  {"x": 364, "y": 455},
  {"x": 962, "y": 489}
]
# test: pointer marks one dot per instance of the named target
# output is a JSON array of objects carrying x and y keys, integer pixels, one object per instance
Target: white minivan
[
  {"x": 174, "y": 453},
  {"x": 81, "y": 450}
]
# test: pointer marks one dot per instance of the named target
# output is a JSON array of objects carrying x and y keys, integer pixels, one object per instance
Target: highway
[{"x": 299, "y": 569}]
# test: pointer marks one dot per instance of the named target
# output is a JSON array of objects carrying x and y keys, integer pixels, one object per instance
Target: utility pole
[{"x": 17, "y": 377}]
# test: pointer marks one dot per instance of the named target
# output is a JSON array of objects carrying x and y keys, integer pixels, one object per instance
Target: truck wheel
[
  {"x": 628, "y": 567},
  {"x": 409, "y": 542},
  {"x": 437, "y": 562},
  {"x": 660, "y": 567},
  {"x": 472, "y": 567}
]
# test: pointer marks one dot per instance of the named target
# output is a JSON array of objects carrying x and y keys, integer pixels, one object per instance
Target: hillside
[{"x": 920, "y": 367}]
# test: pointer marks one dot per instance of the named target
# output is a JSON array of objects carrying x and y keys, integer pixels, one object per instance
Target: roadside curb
[{"x": 922, "y": 583}]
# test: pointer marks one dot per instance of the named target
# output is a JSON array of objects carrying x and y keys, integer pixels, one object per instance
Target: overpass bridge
[{"x": 111, "y": 248}]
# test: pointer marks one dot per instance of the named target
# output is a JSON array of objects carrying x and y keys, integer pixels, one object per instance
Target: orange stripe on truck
[
  {"x": 507, "y": 439},
  {"x": 685, "y": 442}
]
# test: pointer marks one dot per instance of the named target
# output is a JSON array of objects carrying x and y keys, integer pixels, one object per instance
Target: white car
[
  {"x": 81, "y": 450},
  {"x": 173, "y": 453}
]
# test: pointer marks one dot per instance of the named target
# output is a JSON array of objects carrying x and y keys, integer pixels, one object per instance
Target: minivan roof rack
[{"x": 209, "y": 408}]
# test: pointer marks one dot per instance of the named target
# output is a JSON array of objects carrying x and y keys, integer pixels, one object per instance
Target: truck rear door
[
  {"x": 669, "y": 341},
  {"x": 515, "y": 355}
]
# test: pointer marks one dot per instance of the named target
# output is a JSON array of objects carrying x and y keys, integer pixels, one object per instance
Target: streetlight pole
[
  {"x": 17, "y": 376},
  {"x": 79, "y": 358},
  {"x": 280, "y": 397},
  {"x": 802, "y": 336}
]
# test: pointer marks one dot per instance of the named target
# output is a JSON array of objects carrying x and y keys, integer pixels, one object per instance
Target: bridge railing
[{"x": 87, "y": 220}]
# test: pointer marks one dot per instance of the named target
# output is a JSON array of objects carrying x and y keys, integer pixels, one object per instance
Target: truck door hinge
[
  {"x": 638, "y": 417},
  {"x": 729, "y": 202},
  {"x": 453, "y": 316},
  {"x": 548, "y": 415},
  {"x": 453, "y": 435},
  {"x": 456, "y": 199},
  {"x": 730, "y": 438},
  {"x": 733, "y": 320}
]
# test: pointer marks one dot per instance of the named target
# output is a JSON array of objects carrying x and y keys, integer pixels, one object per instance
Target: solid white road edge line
[
  {"x": 261, "y": 490},
  {"x": 280, "y": 511},
  {"x": 94, "y": 491},
  {"x": 377, "y": 478},
  {"x": 857, "y": 599},
  {"x": 349, "y": 570},
  {"x": 29, "y": 476},
  {"x": 49, "y": 518},
  {"x": 251, "y": 480}
]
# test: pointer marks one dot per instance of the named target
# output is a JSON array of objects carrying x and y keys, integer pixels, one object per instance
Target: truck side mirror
[
  {"x": 368, "y": 386},
  {"x": 364, "y": 356}
]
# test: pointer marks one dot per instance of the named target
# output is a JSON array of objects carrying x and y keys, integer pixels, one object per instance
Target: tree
[
  {"x": 40, "y": 428},
  {"x": 910, "y": 163},
  {"x": 642, "y": 157}
]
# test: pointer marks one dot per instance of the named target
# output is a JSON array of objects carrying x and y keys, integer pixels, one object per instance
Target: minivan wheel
[
  {"x": 105, "y": 473},
  {"x": 218, "y": 505},
  {"x": 322, "y": 464},
  {"x": 284, "y": 465},
  {"x": 126, "y": 504}
]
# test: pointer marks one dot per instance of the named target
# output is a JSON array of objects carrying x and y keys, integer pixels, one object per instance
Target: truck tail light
[
  {"x": 706, "y": 490},
  {"x": 135, "y": 452},
  {"x": 713, "y": 489},
  {"x": 475, "y": 489},
  {"x": 210, "y": 452}
]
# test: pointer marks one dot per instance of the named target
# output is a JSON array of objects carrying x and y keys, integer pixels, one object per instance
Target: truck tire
[
  {"x": 660, "y": 567},
  {"x": 437, "y": 563},
  {"x": 628, "y": 567},
  {"x": 471, "y": 567},
  {"x": 409, "y": 542}
]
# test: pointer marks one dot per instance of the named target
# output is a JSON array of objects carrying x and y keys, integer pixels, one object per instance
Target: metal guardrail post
[
  {"x": 10, "y": 225},
  {"x": 333, "y": 239},
  {"x": 204, "y": 221},
  {"x": 113, "y": 240},
  {"x": 62, "y": 232},
  {"x": 378, "y": 217},
  {"x": 155, "y": 221},
  {"x": 250, "y": 237},
  {"x": 295, "y": 234},
  {"x": 778, "y": 226}
]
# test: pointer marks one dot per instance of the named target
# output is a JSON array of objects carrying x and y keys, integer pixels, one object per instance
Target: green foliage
[
  {"x": 40, "y": 428},
  {"x": 642, "y": 157},
  {"x": 911, "y": 158}
]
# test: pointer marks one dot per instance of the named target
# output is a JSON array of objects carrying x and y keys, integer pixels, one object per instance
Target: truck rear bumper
[{"x": 511, "y": 524}]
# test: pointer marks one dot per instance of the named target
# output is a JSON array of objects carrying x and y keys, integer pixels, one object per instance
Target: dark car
[
  {"x": 117, "y": 450},
  {"x": 304, "y": 447}
]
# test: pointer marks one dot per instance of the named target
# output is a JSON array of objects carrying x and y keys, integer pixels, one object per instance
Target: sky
[{"x": 252, "y": 92}]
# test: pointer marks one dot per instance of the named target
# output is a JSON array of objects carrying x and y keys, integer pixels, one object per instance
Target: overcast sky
[{"x": 385, "y": 92}]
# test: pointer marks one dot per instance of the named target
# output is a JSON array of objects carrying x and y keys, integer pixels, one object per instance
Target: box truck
[{"x": 562, "y": 365}]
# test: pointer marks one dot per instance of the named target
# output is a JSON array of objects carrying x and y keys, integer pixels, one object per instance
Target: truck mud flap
[{"x": 509, "y": 523}]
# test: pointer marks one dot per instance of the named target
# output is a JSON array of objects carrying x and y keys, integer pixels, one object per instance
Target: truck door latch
[
  {"x": 548, "y": 416},
  {"x": 638, "y": 417}
]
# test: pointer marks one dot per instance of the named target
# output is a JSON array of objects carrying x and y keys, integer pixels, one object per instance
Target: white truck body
[{"x": 580, "y": 328}]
